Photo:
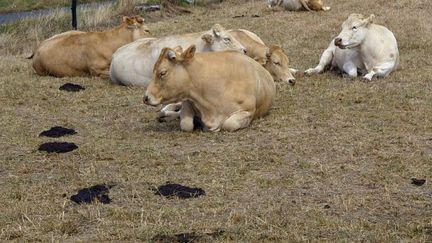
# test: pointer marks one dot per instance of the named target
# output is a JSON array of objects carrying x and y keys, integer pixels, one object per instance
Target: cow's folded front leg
[
  {"x": 187, "y": 114},
  {"x": 381, "y": 70},
  {"x": 170, "y": 112},
  {"x": 100, "y": 70},
  {"x": 238, "y": 120},
  {"x": 351, "y": 69}
]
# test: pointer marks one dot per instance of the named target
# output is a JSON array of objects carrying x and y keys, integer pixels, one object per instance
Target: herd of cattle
[{"x": 226, "y": 78}]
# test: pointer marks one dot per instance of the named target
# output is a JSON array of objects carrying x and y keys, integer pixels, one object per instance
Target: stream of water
[{"x": 13, "y": 17}]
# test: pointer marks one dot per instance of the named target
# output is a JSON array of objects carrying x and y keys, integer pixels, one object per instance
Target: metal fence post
[{"x": 74, "y": 15}]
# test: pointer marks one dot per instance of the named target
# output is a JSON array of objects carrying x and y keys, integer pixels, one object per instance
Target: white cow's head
[
  {"x": 218, "y": 39},
  {"x": 354, "y": 30}
]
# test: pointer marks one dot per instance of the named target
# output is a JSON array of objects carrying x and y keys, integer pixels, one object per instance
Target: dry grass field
[{"x": 333, "y": 161}]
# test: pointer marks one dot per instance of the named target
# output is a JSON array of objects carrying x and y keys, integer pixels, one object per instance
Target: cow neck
[
  {"x": 195, "y": 91},
  {"x": 118, "y": 36}
]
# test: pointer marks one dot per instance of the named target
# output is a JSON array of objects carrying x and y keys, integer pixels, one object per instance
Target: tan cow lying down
[
  {"x": 77, "y": 53},
  {"x": 273, "y": 59},
  {"x": 133, "y": 64},
  {"x": 297, "y": 5},
  {"x": 226, "y": 90},
  {"x": 361, "y": 47}
]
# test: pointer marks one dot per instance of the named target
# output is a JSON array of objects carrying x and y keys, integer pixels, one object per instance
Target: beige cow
[
  {"x": 298, "y": 5},
  {"x": 363, "y": 47},
  {"x": 226, "y": 90},
  {"x": 133, "y": 63},
  {"x": 273, "y": 59},
  {"x": 77, "y": 53}
]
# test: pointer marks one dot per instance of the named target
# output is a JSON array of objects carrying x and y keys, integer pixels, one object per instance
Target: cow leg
[
  {"x": 351, "y": 69},
  {"x": 101, "y": 72},
  {"x": 170, "y": 112},
  {"x": 237, "y": 121},
  {"x": 294, "y": 71},
  {"x": 187, "y": 114},
  {"x": 381, "y": 70},
  {"x": 325, "y": 60}
]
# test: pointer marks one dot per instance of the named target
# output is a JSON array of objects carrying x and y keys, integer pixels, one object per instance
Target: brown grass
[{"x": 328, "y": 141}]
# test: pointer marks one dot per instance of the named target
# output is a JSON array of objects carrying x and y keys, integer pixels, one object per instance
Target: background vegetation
[
  {"x": 333, "y": 161},
  {"x": 26, "y": 5}
]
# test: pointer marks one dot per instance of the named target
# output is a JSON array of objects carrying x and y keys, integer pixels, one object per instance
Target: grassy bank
[
  {"x": 8, "y": 6},
  {"x": 332, "y": 162}
]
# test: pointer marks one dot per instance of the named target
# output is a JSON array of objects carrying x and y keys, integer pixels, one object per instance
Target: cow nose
[
  {"x": 338, "y": 41},
  {"x": 146, "y": 99},
  {"x": 291, "y": 81}
]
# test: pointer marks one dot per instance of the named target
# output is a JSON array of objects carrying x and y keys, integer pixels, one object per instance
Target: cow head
[
  {"x": 169, "y": 82},
  {"x": 354, "y": 30},
  {"x": 218, "y": 39},
  {"x": 137, "y": 26},
  {"x": 277, "y": 63}
]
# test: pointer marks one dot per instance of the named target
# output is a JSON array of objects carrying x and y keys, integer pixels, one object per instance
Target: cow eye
[
  {"x": 276, "y": 63},
  {"x": 227, "y": 39},
  {"x": 162, "y": 73},
  {"x": 354, "y": 28}
]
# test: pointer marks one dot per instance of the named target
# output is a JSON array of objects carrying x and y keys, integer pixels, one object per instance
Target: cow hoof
[
  {"x": 367, "y": 78},
  {"x": 308, "y": 72}
]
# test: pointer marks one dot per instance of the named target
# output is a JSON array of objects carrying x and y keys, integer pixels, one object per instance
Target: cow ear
[
  {"x": 370, "y": 19},
  {"x": 209, "y": 39},
  {"x": 130, "y": 21},
  {"x": 123, "y": 19},
  {"x": 217, "y": 30},
  {"x": 138, "y": 19},
  {"x": 189, "y": 53},
  {"x": 268, "y": 53},
  {"x": 260, "y": 60},
  {"x": 178, "y": 49}
]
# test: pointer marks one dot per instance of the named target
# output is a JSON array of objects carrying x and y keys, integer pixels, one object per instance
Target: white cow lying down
[
  {"x": 133, "y": 64},
  {"x": 363, "y": 47}
]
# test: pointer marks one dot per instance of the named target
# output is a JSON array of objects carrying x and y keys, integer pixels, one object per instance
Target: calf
[
  {"x": 77, "y": 53},
  {"x": 361, "y": 47},
  {"x": 226, "y": 90},
  {"x": 273, "y": 59}
]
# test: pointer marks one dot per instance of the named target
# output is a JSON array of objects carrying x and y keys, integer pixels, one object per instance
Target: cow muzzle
[
  {"x": 292, "y": 81},
  {"x": 148, "y": 101},
  {"x": 338, "y": 42}
]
